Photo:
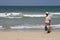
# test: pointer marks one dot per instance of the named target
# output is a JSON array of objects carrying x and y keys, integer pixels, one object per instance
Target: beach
[
  {"x": 29, "y": 36},
  {"x": 27, "y": 22}
]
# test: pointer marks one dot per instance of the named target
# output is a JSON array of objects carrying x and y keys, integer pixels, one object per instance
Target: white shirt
[{"x": 47, "y": 19}]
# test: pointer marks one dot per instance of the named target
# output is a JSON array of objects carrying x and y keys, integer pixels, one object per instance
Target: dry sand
[{"x": 29, "y": 36}]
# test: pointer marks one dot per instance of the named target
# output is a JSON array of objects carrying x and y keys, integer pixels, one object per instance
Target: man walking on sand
[{"x": 47, "y": 22}]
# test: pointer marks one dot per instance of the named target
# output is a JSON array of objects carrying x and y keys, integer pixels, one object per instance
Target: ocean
[{"x": 28, "y": 15}]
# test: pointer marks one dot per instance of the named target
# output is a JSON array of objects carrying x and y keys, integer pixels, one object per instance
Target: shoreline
[
  {"x": 8, "y": 29},
  {"x": 27, "y": 28}
]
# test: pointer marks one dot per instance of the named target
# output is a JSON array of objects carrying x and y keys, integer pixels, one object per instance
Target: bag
[{"x": 49, "y": 29}]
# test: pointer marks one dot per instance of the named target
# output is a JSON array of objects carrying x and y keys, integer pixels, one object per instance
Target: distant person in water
[{"x": 47, "y": 22}]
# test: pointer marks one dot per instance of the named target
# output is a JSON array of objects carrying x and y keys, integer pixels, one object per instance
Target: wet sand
[{"x": 29, "y": 36}]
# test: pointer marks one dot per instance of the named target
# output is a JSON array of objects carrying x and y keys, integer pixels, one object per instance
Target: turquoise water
[{"x": 28, "y": 10}]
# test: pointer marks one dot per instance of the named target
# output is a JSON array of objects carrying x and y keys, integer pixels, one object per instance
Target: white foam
[
  {"x": 42, "y": 15},
  {"x": 16, "y": 14},
  {"x": 39, "y": 26},
  {"x": 22, "y": 27},
  {"x": 20, "y": 14},
  {"x": 57, "y": 13},
  {"x": 2, "y": 15},
  {"x": 7, "y": 15},
  {"x": 13, "y": 17},
  {"x": 17, "y": 27},
  {"x": 13, "y": 13},
  {"x": 39, "y": 15},
  {"x": 0, "y": 26},
  {"x": 56, "y": 26}
]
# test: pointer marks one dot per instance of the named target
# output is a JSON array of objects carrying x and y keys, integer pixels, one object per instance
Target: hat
[{"x": 47, "y": 13}]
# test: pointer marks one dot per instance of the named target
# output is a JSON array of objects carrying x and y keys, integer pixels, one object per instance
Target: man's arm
[{"x": 49, "y": 20}]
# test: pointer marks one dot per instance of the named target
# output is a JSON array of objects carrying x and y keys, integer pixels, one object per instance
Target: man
[{"x": 47, "y": 21}]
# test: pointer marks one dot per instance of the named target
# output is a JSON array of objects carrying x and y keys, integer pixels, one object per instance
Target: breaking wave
[
  {"x": 31, "y": 26},
  {"x": 20, "y": 15}
]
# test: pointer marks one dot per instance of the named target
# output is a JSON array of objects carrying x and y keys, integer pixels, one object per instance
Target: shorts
[{"x": 47, "y": 25}]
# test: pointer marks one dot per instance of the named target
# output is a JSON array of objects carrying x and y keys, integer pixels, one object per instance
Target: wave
[
  {"x": 31, "y": 26},
  {"x": 11, "y": 15},
  {"x": 20, "y": 15},
  {"x": 34, "y": 15},
  {"x": 55, "y": 15},
  {"x": 34, "y": 26},
  {"x": 52, "y": 13}
]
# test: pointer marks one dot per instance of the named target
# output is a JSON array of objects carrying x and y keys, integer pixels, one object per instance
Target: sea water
[{"x": 28, "y": 15}]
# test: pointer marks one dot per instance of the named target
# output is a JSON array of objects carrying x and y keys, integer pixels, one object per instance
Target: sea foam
[{"x": 20, "y": 15}]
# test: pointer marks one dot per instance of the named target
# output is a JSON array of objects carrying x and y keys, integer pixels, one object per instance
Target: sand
[{"x": 29, "y": 36}]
